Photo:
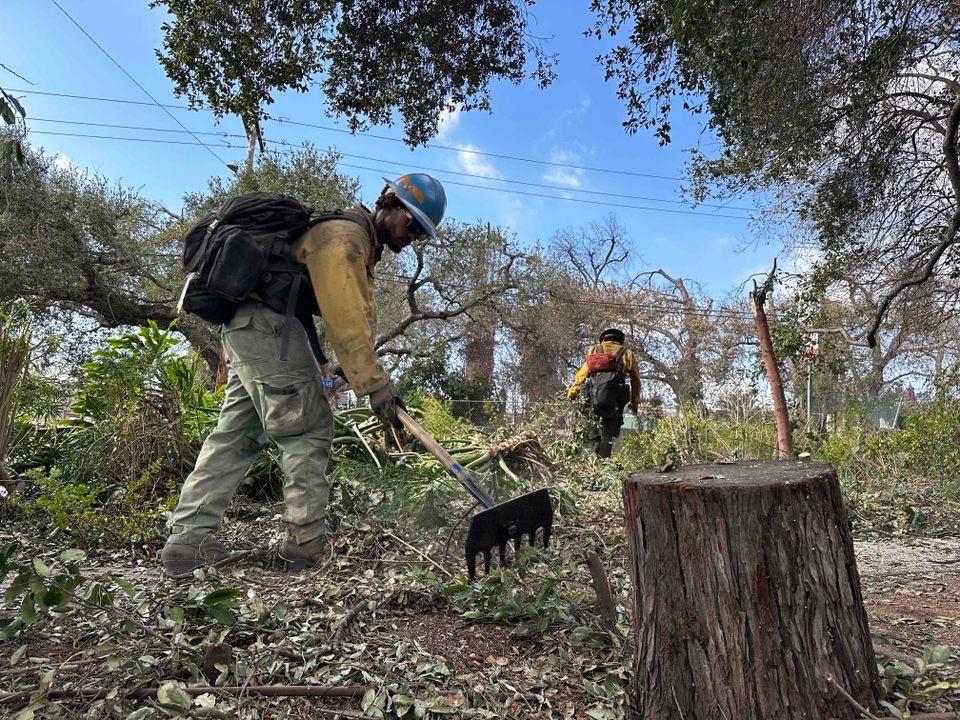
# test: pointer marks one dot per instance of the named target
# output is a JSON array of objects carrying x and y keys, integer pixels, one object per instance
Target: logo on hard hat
[{"x": 411, "y": 188}]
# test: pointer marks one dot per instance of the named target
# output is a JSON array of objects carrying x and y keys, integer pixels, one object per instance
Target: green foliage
[
  {"x": 17, "y": 352},
  {"x": 434, "y": 377},
  {"x": 416, "y": 492},
  {"x": 438, "y": 419},
  {"x": 141, "y": 403},
  {"x": 524, "y": 594},
  {"x": 693, "y": 435},
  {"x": 306, "y": 173},
  {"x": 141, "y": 410},
  {"x": 11, "y": 147},
  {"x": 412, "y": 59},
  {"x": 928, "y": 678},
  {"x": 40, "y": 588},
  {"x": 901, "y": 480},
  {"x": 71, "y": 505}
]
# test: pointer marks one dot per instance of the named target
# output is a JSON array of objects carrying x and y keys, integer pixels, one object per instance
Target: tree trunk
[
  {"x": 747, "y": 596},
  {"x": 780, "y": 412},
  {"x": 479, "y": 352}
]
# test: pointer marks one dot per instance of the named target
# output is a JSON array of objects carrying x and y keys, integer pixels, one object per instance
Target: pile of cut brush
[{"x": 359, "y": 434}]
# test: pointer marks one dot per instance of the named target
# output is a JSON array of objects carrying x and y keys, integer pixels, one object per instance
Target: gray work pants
[{"x": 266, "y": 399}]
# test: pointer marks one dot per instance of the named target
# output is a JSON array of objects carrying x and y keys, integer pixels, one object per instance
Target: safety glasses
[{"x": 414, "y": 229}]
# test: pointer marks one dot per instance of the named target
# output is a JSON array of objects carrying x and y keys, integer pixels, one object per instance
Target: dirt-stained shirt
[{"x": 340, "y": 255}]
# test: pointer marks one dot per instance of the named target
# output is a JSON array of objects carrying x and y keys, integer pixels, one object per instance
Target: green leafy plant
[
  {"x": 927, "y": 679},
  {"x": 40, "y": 588}
]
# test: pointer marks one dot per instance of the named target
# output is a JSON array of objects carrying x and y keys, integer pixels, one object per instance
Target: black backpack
[
  {"x": 608, "y": 389},
  {"x": 244, "y": 250}
]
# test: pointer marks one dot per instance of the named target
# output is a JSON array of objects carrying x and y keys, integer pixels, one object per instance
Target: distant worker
[
  {"x": 603, "y": 380},
  {"x": 275, "y": 386}
]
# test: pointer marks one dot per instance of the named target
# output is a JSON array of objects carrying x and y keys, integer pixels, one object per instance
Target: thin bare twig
[{"x": 850, "y": 699}]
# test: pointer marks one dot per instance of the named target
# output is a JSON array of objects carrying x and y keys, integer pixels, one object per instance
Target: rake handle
[{"x": 454, "y": 468}]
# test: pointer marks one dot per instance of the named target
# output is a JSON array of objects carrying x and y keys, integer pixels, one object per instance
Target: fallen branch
[
  {"x": 601, "y": 586},
  {"x": 419, "y": 552},
  {"x": 353, "y": 612},
  {"x": 850, "y": 699}
]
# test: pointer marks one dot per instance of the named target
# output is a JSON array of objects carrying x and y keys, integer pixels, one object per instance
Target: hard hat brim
[{"x": 425, "y": 222}]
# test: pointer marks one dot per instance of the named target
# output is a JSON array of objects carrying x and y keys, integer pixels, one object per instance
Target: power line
[
  {"x": 389, "y": 171},
  {"x": 473, "y": 151},
  {"x": 134, "y": 80},
  {"x": 392, "y": 162},
  {"x": 328, "y": 128}
]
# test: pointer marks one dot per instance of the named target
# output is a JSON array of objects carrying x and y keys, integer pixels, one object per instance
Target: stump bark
[{"x": 746, "y": 595}]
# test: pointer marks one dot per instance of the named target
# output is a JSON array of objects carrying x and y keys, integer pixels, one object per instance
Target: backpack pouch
[{"x": 237, "y": 266}]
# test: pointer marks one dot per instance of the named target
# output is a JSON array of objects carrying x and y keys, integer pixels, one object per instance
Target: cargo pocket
[
  {"x": 291, "y": 406},
  {"x": 249, "y": 338}
]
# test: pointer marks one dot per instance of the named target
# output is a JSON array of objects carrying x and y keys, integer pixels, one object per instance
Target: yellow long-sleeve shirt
[
  {"x": 340, "y": 255},
  {"x": 629, "y": 362}
]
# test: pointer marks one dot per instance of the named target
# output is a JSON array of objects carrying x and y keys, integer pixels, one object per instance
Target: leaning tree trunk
[{"x": 747, "y": 600}]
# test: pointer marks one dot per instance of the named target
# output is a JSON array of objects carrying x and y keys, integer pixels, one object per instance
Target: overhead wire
[
  {"x": 405, "y": 163},
  {"x": 328, "y": 128},
  {"x": 227, "y": 145},
  {"x": 133, "y": 79}
]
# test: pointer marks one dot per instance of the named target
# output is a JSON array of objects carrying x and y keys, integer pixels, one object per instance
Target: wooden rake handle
[{"x": 457, "y": 470}]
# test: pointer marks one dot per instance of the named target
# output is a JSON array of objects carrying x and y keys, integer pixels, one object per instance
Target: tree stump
[{"x": 746, "y": 595}]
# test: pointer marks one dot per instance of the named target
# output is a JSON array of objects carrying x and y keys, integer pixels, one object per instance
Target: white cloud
[
  {"x": 566, "y": 176},
  {"x": 63, "y": 162},
  {"x": 470, "y": 161},
  {"x": 449, "y": 120},
  {"x": 792, "y": 266}
]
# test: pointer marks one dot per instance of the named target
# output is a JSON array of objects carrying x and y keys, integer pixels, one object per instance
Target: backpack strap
[
  {"x": 360, "y": 218},
  {"x": 620, "y": 352},
  {"x": 298, "y": 270}
]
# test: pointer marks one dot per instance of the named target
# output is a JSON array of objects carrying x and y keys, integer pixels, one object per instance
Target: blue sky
[{"x": 575, "y": 121}]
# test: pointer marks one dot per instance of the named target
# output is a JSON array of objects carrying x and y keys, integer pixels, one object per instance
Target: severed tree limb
[
  {"x": 601, "y": 586},
  {"x": 780, "y": 412}
]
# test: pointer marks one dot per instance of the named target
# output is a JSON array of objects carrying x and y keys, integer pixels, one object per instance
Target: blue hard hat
[{"x": 423, "y": 196}]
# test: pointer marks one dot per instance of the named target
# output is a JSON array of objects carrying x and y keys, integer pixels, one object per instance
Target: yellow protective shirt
[
  {"x": 340, "y": 255},
  {"x": 629, "y": 362}
]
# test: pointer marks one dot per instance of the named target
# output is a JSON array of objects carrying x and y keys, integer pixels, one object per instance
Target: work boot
[
  {"x": 180, "y": 559},
  {"x": 301, "y": 556}
]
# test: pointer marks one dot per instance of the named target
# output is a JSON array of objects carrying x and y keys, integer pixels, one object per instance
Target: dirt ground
[{"x": 911, "y": 589}]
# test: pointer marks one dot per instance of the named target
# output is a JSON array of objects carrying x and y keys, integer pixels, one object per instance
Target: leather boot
[
  {"x": 180, "y": 559},
  {"x": 301, "y": 556}
]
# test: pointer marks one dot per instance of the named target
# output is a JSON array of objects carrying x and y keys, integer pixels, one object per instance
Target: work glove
[
  {"x": 384, "y": 403},
  {"x": 631, "y": 409}
]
